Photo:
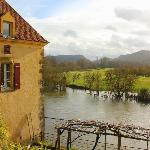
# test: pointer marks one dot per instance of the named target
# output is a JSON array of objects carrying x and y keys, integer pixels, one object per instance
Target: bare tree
[
  {"x": 75, "y": 77},
  {"x": 97, "y": 82},
  {"x": 92, "y": 81}
]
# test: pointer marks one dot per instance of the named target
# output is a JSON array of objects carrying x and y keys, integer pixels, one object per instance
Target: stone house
[{"x": 21, "y": 54}]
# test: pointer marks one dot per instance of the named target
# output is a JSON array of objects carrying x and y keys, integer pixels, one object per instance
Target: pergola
[{"x": 101, "y": 128}]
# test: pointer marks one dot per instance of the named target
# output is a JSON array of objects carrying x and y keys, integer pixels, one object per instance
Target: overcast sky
[{"x": 94, "y": 28}]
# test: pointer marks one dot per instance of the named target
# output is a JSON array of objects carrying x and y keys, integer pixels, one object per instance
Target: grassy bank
[{"x": 141, "y": 82}]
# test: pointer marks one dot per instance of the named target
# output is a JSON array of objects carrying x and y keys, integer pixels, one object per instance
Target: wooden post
[
  {"x": 58, "y": 138},
  {"x": 70, "y": 137},
  {"x": 119, "y": 142},
  {"x": 105, "y": 140},
  {"x": 147, "y": 140},
  {"x": 69, "y": 140}
]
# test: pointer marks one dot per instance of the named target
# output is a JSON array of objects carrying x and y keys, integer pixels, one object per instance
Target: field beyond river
[{"x": 76, "y": 80}]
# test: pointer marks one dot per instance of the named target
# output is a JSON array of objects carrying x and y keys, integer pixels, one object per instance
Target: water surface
[{"x": 77, "y": 104}]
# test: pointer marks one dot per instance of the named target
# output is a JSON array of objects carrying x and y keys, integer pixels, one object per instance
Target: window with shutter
[
  {"x": 5, "y": 77},
  {"x": 9, "y": 76},
  {"x": 16, "y": 76}
]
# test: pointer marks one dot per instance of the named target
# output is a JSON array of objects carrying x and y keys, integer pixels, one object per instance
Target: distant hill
[
  {"x": 138, "y": 58},
  {"x": 67, "y": 62},
  {"x": 69, "y": 58}
]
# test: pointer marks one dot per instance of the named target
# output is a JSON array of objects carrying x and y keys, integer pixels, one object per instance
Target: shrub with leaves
[
  {"x": 92, "y": 81},
  {"x": 4, "y": 136},
  {"x": 144, "y": 95},
  {"x": 120, "y": 81},
  {"x": 7, "y": 144}
]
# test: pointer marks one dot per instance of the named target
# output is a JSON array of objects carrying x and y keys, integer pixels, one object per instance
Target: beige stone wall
[{"x": 21, "y": 108}]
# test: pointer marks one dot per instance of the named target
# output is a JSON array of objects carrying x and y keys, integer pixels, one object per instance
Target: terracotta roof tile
[{"x": 24, "y": 31}]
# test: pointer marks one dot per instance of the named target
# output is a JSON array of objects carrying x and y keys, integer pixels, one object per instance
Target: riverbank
[{"x": 78, "y": 87}]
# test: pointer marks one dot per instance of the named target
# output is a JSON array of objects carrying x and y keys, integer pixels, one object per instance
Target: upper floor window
[{"x": 7, "y": 28}]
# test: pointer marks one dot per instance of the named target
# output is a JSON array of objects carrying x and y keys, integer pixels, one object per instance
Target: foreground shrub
[
  {"x": 144, "y": 95},
  {"x": 6, "y": 144},
  {"x": 4, "y": 136}
]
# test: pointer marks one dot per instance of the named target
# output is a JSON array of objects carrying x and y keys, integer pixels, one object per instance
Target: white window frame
[{"x": 5, "y": 86}]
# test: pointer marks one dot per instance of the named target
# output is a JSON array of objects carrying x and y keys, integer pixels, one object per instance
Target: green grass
[
  {"x": 80, "y": 81},
  {"x": 142, "y": 82}
]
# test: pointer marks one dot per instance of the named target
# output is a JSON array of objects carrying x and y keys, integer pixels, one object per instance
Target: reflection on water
[{"x": 79, "y": 105}]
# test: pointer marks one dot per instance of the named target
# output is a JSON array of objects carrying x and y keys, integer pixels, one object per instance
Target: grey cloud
[
  {"x": 59, "y": 48},
  {"x": 142, "y": 32},
  {"x": 128, "y": 43},
  {"x": 110, "y": 27},
  {"x": 70, "y": 33},
  {"x": 128, "y": 14},
  {"x": 142, "y": 17},
  {"x": 137, "y": 43},
  {"x": 115, "y": 42}
]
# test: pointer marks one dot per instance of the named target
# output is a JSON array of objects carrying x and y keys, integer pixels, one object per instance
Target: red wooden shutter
[
  {"x": 6, "y": 49},
  {"x": 17, "y": 76}
]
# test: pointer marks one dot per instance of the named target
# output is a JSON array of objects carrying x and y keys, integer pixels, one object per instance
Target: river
[{"x": 77, "y": 104}]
